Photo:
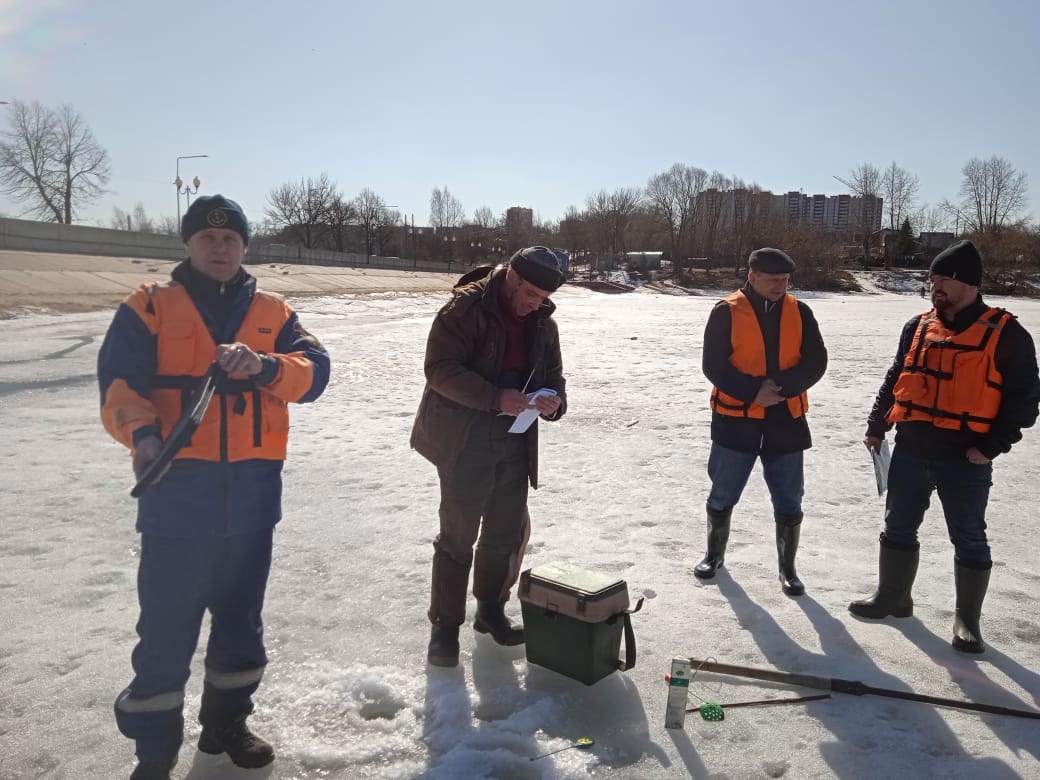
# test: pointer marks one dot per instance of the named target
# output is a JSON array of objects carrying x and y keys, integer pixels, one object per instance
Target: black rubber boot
[
  {"x": 718, "y": 536},
  {"x": 788, "y": 530},
  {"x": 491, "y": 619},
  {"x": 244, "y": 748},
  {"x": 444, "y": 646},
  {"x": 897, "y": 570},
  {"x": 153, "y": 770},
  {"x": 971, "y": 587}
]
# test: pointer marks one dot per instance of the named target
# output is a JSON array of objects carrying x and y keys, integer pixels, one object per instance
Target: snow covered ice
[{"x": 348, "y": 693}]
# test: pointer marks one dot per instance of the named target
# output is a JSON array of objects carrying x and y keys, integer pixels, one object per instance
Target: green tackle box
[{"x": 574, "y": 620}]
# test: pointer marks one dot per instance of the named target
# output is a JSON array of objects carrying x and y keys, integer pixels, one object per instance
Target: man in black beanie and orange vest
[
  {"x": 963, "y": 386},
  {"x": 762, "y": 352},
  {"x": 207, "y": 524}
]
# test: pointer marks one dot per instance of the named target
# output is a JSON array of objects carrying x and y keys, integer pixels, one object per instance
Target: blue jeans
[
  {"x": 963, "y": 489},
  {"x": 729, "y": 471}
]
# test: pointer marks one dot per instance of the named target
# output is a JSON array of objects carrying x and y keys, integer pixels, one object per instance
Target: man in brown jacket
[{"x": 490, "y": 346}]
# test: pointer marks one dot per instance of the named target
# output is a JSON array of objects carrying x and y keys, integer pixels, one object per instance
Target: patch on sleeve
[{"x": 303, "y": 334}]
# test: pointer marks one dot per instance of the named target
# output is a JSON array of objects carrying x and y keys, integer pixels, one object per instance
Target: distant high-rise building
[
  {"x": 840, "y": 213},
  {"x": 519, "y": 218}
]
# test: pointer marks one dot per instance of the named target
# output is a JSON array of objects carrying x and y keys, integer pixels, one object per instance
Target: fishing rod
[{"x": 853, "y": 687}]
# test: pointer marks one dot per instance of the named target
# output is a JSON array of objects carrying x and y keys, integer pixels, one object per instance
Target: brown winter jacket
[{"x": 464, "y": 354}]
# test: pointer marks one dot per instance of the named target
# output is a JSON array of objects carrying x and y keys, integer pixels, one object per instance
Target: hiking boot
[
  {"x": 244, "y": 748},
  {"x": 444, "y": 646},
  {"x": 491, "y": 619}
]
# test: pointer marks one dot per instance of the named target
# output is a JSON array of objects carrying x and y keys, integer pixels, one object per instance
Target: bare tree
[
  {"x": 864, "y": 182},
  {"x": 899, "y": 189},
  {"x": 445, "y": 210},
  {"x": 574, "y": 232},
  {"x": 992, "y": 194},
  {"x": 748, "y": 212},
  {"x": 484, "y": 217},
  {"x": 673, "y": 200},
  {"x": 341, "y": 216},
  {"x": 167, "y": 226},
  {"x": 372, "y": 215},
  {"x": 929, "y": 219},
  {"x": 864, "y": 179},
  {"x": 137, "y": 220},
  {"x": 301, "y": 209},
  {"x": 610, "y": 215},
  {"x": 51, "y": 162},
  {"x": 714, "y": 198},
  {"x": 120, "y": 219}
]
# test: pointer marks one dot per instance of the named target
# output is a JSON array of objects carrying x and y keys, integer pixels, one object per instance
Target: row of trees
[{"x": 51, "y": 163}]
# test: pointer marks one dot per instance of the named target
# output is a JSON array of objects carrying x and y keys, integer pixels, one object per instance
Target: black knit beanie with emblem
[
  {"x": 214, "y": 211},
  {"x": 770, "y": 261},
  {"x": 540, "y": 266},
  {"x": 960, "y": 261}
]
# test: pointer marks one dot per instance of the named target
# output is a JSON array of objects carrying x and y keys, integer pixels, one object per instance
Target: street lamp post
[
  {"x": 449, "y": 242},
  {"x": 178, "y": 182},
  {"x": 415, "y": 235},
  {"x": 187, "y": 192}
]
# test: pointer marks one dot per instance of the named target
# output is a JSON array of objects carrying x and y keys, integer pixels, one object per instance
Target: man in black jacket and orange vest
[
  {"x": 963, "y": 386},
  {"x": 762, "y": 352}
]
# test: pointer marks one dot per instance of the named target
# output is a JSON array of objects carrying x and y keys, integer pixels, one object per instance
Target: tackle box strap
[{"x": 630, "y": 638}]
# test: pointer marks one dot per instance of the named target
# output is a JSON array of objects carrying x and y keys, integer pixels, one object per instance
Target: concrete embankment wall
[{"x": 28, "y": 236}]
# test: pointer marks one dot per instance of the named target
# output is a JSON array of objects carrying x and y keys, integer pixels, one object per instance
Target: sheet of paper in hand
[
  {"x": 882, "y": 458},
  {"x": 524, "y": 420}
]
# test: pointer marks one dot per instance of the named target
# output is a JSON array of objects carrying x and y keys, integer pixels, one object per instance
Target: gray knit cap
[{"x": 540, "y": 266}]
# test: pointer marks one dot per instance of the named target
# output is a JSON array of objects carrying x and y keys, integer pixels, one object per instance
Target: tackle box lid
[
  {"x": 574, "y": 591},
  {"x": 570, "y": 576}
]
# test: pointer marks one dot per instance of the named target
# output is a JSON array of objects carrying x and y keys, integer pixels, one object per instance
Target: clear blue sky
[{"x": 534, "y": 104}]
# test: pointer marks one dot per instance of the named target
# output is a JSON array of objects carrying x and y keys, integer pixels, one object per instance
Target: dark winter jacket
[
  {"x": 463, "y": 369},
  {"x": 1015, "y": 358},
  {"x": 779, "y": 432}
]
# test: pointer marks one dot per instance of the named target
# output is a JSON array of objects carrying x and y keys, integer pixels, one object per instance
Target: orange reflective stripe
[{"x": 749, "y": 354}]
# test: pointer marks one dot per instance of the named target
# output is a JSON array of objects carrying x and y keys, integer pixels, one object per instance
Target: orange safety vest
[
  {"x": 749, "y": 354},
  {"x": 951, "y": 379},
  {"x": 243, "y": 422}
]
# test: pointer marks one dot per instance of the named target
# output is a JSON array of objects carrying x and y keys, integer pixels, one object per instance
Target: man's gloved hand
[{"x": 145, "y": 452}]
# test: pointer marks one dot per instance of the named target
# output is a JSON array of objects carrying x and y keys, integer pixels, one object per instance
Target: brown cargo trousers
[{"x": 483, "y": 493}]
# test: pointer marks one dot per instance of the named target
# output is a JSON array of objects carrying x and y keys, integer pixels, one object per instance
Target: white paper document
[
  {"x": 530, "y": 414},
  {"x": 881, "y": 459}
]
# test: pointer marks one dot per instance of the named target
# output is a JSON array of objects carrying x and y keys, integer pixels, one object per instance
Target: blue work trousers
[{"x": 178, "y": 579}]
